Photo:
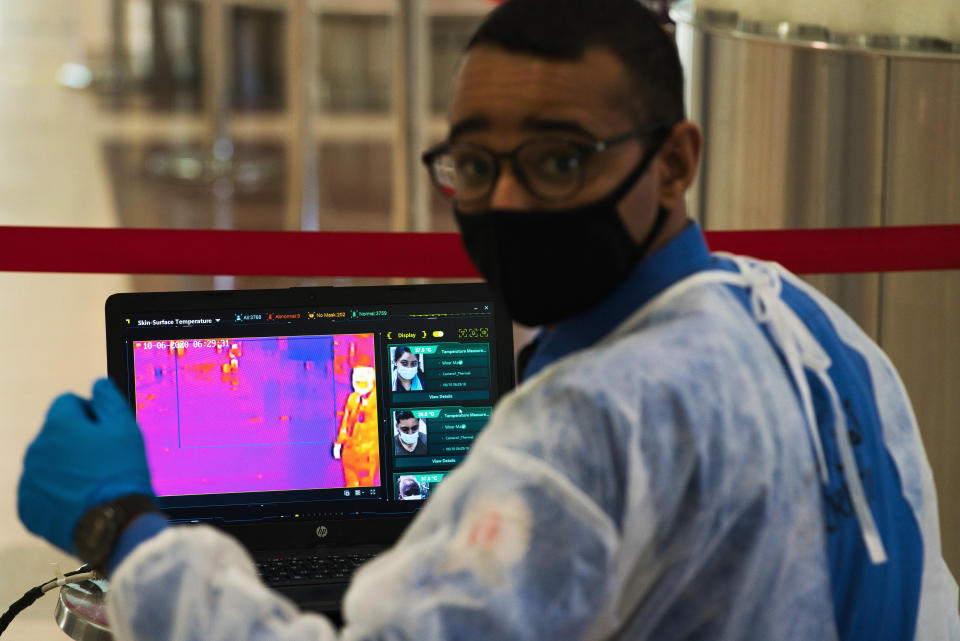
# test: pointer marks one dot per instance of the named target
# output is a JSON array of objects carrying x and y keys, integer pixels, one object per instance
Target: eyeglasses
[{"x": 549, "y": 168}]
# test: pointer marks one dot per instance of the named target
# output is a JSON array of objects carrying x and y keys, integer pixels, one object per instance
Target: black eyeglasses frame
[{"x": 585, "y": 150}]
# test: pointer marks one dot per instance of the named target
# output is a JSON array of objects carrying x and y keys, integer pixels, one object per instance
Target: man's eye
[
  {"x": 474, "y": 167},
  {"x": 558, "y": 164}
]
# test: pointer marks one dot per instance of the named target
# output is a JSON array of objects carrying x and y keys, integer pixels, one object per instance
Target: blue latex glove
[{"x": 87, "y": 452}]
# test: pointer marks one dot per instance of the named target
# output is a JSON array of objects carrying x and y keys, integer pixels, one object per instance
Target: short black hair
[
  {"x": 402, "y": 415},
  {"x": 410, "y": 487},
  {"x": 565, "y": 29}
]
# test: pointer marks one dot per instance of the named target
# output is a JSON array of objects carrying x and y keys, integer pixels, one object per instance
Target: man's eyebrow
[
  {"x": 540, "y": 125},
  {"x": 550, "y": 126},
  {"x": 466, "y": 126}
]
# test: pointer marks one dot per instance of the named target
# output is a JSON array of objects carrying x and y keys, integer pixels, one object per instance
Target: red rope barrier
[
  {"x": 849, "y": 250},
  {"x": 360, "y": 254}
]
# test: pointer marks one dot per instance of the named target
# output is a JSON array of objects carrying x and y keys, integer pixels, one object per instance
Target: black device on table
[{"x": 255, "y": 419}]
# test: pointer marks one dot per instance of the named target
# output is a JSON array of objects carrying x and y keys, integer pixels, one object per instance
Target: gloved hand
[{"x": 87, "y": 452}]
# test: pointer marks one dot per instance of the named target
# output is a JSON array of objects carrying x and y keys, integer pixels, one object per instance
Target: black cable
[
  {"x": 20, "y": 605},
  {"x": 31, "y": 597}
]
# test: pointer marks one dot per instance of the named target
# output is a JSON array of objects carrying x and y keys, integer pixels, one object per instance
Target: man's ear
[{"x": 679, "y": 160}]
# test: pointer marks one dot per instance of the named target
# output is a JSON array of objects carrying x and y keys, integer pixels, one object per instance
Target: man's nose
[{"x": 508, "y": 192}]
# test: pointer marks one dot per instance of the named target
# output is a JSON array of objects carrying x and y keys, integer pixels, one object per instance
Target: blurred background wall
[{"x": 282, "y": 114}]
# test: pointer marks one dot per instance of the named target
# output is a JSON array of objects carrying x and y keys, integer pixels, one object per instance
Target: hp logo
[{"x": 322, "y": 532}]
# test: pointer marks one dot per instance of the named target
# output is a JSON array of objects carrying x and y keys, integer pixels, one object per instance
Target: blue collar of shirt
[{"x": 682, "y": 256}]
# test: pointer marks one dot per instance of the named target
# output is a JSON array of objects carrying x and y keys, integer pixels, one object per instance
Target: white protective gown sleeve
[
  {"x": 633, "y": 490},
  {"x": 196, "y": 583}
]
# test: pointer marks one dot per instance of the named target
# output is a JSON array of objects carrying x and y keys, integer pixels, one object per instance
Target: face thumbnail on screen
[
  {"x": 407, "y": 371},
  {"x": 258, "y": 414}
]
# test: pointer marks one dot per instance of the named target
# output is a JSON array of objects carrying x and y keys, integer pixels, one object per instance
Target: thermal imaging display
[
  {"x": 258, "y": 414},
  {"x": 306, "y": 403}
]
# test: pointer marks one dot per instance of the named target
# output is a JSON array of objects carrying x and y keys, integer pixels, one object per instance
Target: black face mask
[{"x": 550, "y": 265}]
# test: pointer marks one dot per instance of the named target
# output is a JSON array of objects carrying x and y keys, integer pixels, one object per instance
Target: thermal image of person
[
  {"x": 408, "y": 489},
  {"x": 406, "y": 370},
  {"x": 356, "y": 445},
  {"x": 409, "y": 440}
]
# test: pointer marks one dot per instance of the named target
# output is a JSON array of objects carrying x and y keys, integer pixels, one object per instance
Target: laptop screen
[{"x": 303, "y": 403}]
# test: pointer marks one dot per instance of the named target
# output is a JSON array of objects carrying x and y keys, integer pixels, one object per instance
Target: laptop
[{"x": 309, "y": 423}]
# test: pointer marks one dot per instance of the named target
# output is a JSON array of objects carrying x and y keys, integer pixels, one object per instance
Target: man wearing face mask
[
  {"x": 409, "y": 440},
  {"x": 702, "y": 447}
]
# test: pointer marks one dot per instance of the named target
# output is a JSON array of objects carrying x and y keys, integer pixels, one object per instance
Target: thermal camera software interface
[{"x": 258, "y": 414}]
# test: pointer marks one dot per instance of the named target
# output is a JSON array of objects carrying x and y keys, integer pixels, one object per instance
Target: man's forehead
[{"x": 495, "y": 88}]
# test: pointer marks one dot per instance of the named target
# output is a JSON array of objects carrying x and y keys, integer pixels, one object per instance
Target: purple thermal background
[{"x": 244, "y": 415}]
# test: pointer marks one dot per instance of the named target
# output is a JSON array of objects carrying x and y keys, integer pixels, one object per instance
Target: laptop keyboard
[{"x": 326, "y": 568}]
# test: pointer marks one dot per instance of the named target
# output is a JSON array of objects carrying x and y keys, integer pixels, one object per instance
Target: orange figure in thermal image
[{"x": 357, "y": 445}]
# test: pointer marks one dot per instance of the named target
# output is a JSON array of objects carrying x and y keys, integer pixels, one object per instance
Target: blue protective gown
[{"x": 717, "y": 452}]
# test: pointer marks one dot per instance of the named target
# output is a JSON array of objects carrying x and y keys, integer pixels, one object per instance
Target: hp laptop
[{"x": 309, "y": 423}]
